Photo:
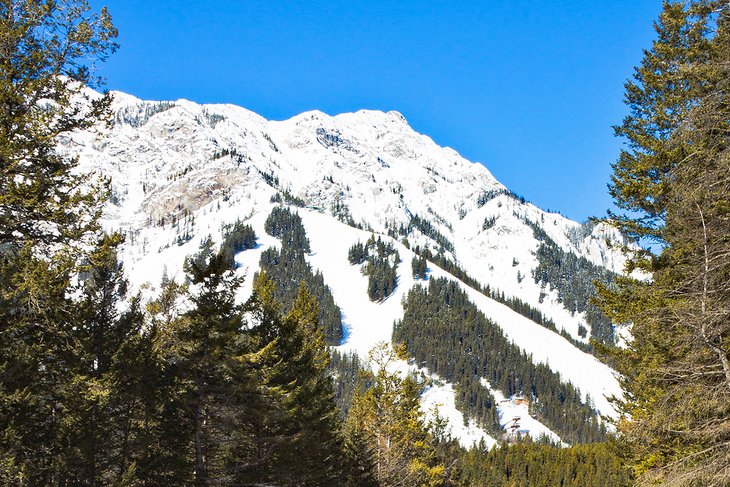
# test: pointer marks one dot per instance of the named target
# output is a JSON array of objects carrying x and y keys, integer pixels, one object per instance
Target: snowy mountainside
[
  {"x": 169, "y": 160},
  {"x": 180, "y": 171}
]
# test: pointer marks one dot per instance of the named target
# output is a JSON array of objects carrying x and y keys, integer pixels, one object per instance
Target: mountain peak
[{"x": 182, "y": 170}]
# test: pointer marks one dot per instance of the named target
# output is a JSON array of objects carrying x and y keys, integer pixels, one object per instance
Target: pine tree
[
  {"x": 208, "y": 342},
  {"x": 46, "y": 51},
  {"x": 35, "y": 368},
  {"x": 106, "y": 342},
  {"x": 236, "y": 238},
  {"x": 387, "y": 416},
  {"x": 288, "y": 268},
  {"x": 267, "y": 418},
  {"x": 315, "y": 456},
  {"x": 660, "y": 94},
  {"x": 673, "y": 179},
  {"x": 44, "y": 216},
  {"x": 419, "y": 267},
  {"x": 159, "y": 444}
]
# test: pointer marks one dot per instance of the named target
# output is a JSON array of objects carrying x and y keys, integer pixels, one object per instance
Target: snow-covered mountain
[{"x": 181, "y": 171}]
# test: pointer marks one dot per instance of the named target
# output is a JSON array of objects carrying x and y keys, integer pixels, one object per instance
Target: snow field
[{"x": 220, "y": 163}]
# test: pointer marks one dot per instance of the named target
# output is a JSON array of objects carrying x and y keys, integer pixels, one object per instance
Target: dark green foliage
[
  {"x": 515, "y": 303},
  {"x": 244, "y": 403},
  {"x": 159, "y": 446},
  {"x": 582, "y": 331},
  {"x": 287, "y": 226},
  {"x": 297, "y": 441},
  {"x": 63, "y": 365},
  {"x": 237, "y": 238},
  {"x": 426, "y": 227},
  {"x": 105, "y": 374},
  {"x": 50, "y": 385},
  {"x": 286, "y": 197},
  {"x": 419, "y": 267},
  {"x": 489, "y": 222},
  {"x": 202, "y": 345},
  {"x": 476, "y": 402},
  {"x": 488, "y": 195},
  {"x": 539, "y": 465},
  {"x": 382, "y": 277},
  {"x": 348, "y": 378},
  {"x": 664, "y": 88},
  {"x": 573, "y": 277},
  {"x": 381, "y": 266},
  {"x": 441, "y": 319},
  {"x": 288, "y": 268},
  {"x": 252, "y": 400},
  {"x": 198, "y": 397},
  {"x": 45, "y": 65},
  {"x": 270, "y": 178},
  {"x": 357, "y": 255},
  {"x": 671, "y": 181}
]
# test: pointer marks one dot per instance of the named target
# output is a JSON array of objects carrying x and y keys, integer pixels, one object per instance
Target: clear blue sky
[{"x": 528, "y": 88}]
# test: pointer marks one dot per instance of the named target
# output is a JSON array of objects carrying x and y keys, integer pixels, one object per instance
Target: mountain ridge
[{"x": 180, "y": 171}]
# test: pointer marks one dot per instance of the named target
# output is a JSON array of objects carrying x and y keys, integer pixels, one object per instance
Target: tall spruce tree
[
  {"x": 673, "y": 179},
  {"x": 106, "y": 343},
  {"x": 315, "y": 455},
  {"x": 298, "y": 441},
  {"x": 209, "y": 341},
  {"x": 159, "y": 446},
  {"x": 45, "y": 213}
]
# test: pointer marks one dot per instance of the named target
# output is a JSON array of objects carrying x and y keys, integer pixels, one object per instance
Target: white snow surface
[
  {"x": 515, "y": 418},
  {"x": 439, "y": 399},
  {"x": 182, "y": 170}
]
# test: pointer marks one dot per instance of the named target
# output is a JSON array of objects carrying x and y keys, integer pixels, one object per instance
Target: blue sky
[{"x": 528, "y": 88}]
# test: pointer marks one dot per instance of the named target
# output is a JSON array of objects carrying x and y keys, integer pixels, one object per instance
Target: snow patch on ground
[
  {"x": 439, "y": 400},
  {"x": 515, "y": 418},
  {"x": 368, "y": 323}
]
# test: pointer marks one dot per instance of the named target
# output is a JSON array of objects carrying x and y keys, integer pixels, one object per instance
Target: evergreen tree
[
  {"x": 540, "y": 465},
  {"x": 661, "y": 93},
  {"x": 347, "y": 370},
  {"x": 439, "y": 319},
  {"x": 297, "y": 440},
  {"x": 315, "y": 455},
  {"x": 47, "y": 47},
  {"x": 288, "y": 268},
  {"x": 237, "y": 238},
  {"x": 419, "y": 267},
  {"x": 107, "y": 340},
  {"x": 513, "y": 302},
  {"x": 381, "y": 266},
  {"x": 387, "y": 416},
  {"x": 44, "y": 216},
  {"x": 208, "y": 341},
  {"x": 573, "y": 277},
  {"x": 673, "y": 180},
  {"x": 37, "y": 358}
]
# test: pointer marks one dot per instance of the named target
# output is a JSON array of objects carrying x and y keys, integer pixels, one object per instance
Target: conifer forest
[{"x": 252, "y": 363}]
